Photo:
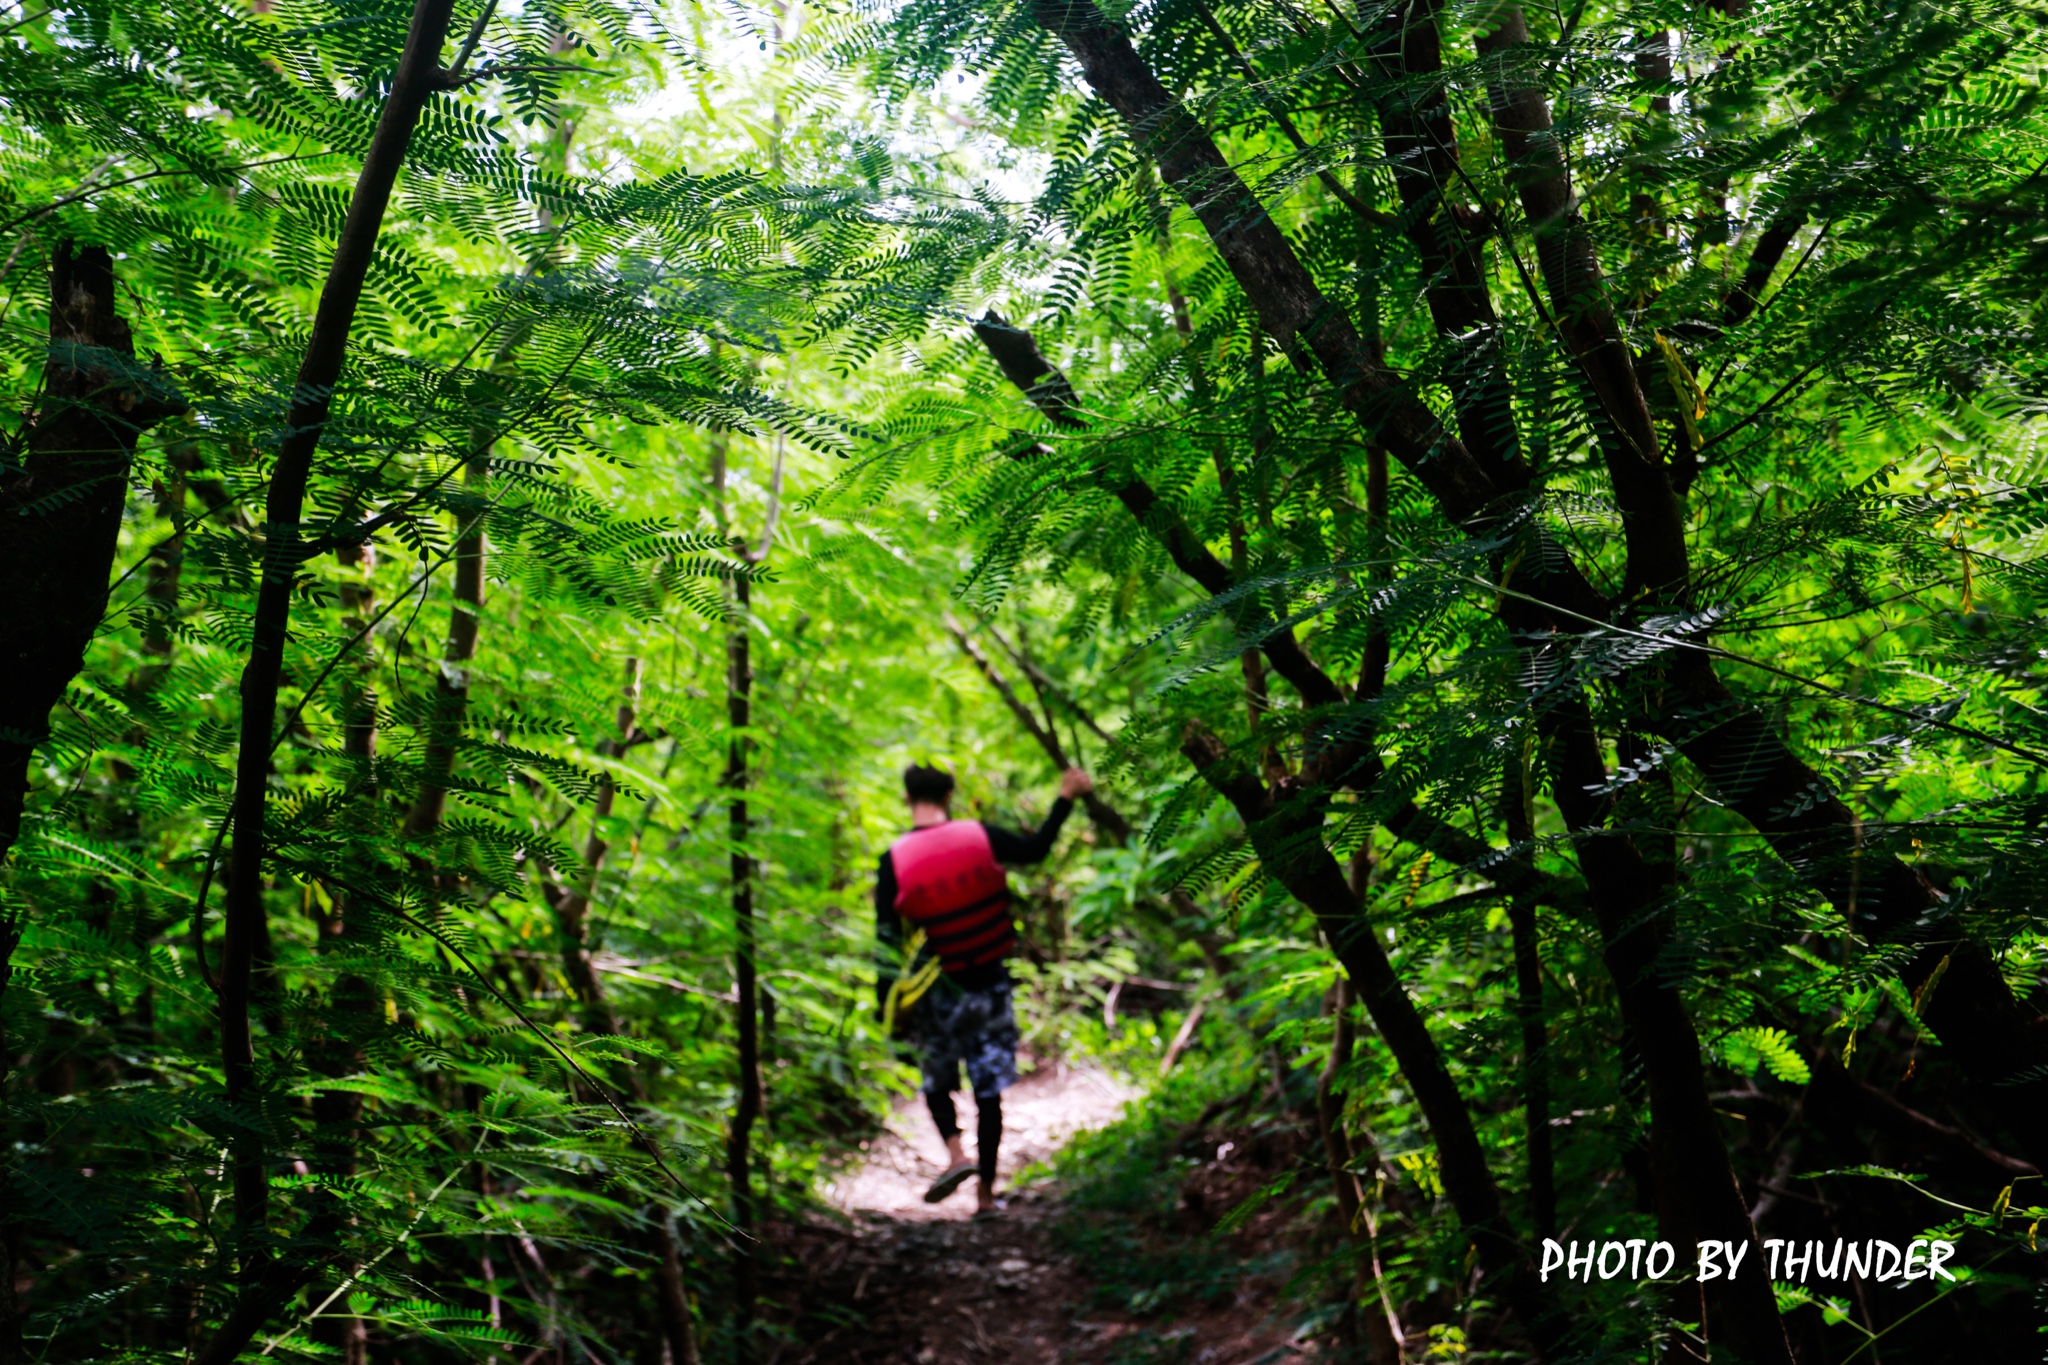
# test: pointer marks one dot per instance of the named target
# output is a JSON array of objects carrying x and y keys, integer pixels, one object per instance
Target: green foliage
[
  {"x": 648, "y": 286},
  {"x": 1769, "y": 1048}
]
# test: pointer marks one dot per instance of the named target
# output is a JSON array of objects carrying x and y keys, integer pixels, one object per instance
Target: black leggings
[{"x": 988, "y": 1127}]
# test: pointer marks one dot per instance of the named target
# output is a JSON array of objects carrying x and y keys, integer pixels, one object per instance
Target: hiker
[{"x": 945, "y": 878}]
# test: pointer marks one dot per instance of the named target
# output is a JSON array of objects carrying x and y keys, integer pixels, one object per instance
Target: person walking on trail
[{"x": 944, "y": 881}]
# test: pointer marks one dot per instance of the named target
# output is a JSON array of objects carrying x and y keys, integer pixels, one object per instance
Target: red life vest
[{"x": 949, "y": 884}]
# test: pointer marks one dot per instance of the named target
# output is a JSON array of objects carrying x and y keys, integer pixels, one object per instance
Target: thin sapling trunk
[
  {"x": 748, "y": 1109},
  {"x": 418, "y": 77}
]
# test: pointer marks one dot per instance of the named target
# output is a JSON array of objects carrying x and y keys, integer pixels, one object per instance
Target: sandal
[{"x": 955, "y": 1176}]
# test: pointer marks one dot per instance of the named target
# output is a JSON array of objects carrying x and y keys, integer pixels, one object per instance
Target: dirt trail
[
  {"x": 910, "y": 1283},
  {"x": 1040, "y": 1113}
]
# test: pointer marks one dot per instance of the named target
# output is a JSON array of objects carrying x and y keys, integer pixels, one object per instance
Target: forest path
[
  {"x": 1041, "y": 1112},
  {"x": 911, "y": 1283}
]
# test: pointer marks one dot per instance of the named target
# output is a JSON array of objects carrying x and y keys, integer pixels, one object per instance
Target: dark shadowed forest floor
[{"x": 898, "y": 1280}]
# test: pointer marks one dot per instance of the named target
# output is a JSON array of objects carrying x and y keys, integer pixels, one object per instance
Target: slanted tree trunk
[
  {"x": 1016, "y": 353},
  {"x": 1653, "y": 519},
  {"x": 266, "y": 1284},
  {"x": 572, "y": 921},
  {"x": 1286, "y": 833},
  {"x": 1993, "y": 1036},
  {"x": 1422, "y": 152}
]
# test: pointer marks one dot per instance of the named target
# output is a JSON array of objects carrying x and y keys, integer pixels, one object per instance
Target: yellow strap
[{"x": 910, "y": 984}]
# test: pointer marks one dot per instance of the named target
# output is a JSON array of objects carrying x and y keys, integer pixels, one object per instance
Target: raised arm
[{"x": 1021, "y": 849}]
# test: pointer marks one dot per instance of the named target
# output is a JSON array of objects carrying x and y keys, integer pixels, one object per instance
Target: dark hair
[{"x": 927, "y": 784}]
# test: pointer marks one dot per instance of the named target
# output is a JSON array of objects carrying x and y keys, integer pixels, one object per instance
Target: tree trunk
[
  {"x": 62, "y": 507},
  {"x": 750, "y": 1103},
  {"x": 672, "y": 1300},
  {"x": 1017, "y": 353},
  {"x": 166, "y": 569},
  {"x": 1373, "y": 1310},
  {"x": 1653, "y": 519},
  {"x": 451, "y": 681},
  {"x": 1695, "y": 1189},
  {"x": 1422, "y": 151},
  {"x": 1286, "y": 833},
  {"x": 417, "y": 78},
  {"x": 338, "y": 1050},
  {"x": 1515, "y": 796},
  {"x": 2001, "y": 1043},
  {"x": 746, "y": 1008},
  {"x": 572, "y": 904},
  {"x": 1279, "y": 288}
]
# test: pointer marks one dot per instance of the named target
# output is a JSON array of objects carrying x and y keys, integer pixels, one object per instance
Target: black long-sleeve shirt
[{"x": 1009, "y": 847}]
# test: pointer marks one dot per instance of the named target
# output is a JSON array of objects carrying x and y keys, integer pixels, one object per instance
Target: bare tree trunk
[
  {"x": 1529, "y": 1009},
  {"x": 572, "y": 905},
  {"x": 749, "y": 1106},
  {"x": 418, "y": 77},
  {"x": 62, "y": 507},
  {"x": 1695, "y": 1188},
  {"x": 672, "y": 1301},
  {"x": 451, "y": 680},
  {"x": 572, "y": 909},
  {"x": 738, "y": 1156},
  {"x": 1371, "y": 1306},
  {"x": 166, "y": 570},
  {"x": 1422, "y": 152},
  {"x": 337, "y": 1052},
  {"x": 1653, "y": 519}
]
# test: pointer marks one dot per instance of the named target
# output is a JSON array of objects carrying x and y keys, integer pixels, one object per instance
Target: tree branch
[
  {"x": 1289, "y": 305},
  {"x": 1740, "y": 300},
  {"x": 1044, "y": 683},
  {"x": 1422, "y": 151},
  {"x": 1365, "y": 214},
  {"x": 1027, "y": 368},
  {"x": 1653, "y": 521},
  {"x": 1106, "y": 817},
  {"x": 1833, "y": 1083}
]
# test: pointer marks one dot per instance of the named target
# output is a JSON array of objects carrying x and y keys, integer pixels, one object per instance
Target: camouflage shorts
[{"x": 971, "y": 1026}]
